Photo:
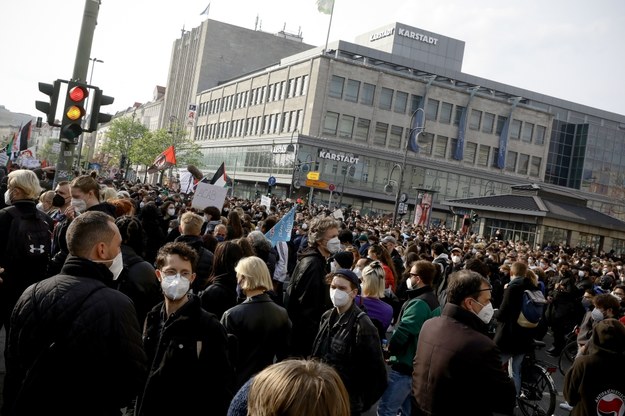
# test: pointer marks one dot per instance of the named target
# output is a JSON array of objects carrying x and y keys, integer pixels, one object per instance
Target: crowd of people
[{"x": 122, "y": 297}]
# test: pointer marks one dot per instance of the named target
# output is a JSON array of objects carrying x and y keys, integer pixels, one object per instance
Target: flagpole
[{"x": 329, "y": 27}]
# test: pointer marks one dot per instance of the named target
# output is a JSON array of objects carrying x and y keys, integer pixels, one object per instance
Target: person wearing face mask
[
  {"x": 421, "y": 306},
  {"x": 604, "y": 306},
  {"x": 186, "y": 346},
  {"x": 348, "y": 341},
  {"x": 456, "y": 362},
  {"x": 307, "y": 294},
  {"x": 71, "y": 334},
  {"x": 85, "y": 196}
]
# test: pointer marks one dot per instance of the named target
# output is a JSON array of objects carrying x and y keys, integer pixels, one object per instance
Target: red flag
[{"x": 164, "y": 160}]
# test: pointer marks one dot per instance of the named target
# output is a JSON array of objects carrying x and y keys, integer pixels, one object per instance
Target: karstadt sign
[
  {"x": 407, "y": 33},
  {"x": 339, "y": 157}
]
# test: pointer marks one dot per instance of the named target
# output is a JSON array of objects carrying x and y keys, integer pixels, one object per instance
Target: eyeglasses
[
  {"x": 414, "y": 274},
  {"x": 171, "y": 273}
]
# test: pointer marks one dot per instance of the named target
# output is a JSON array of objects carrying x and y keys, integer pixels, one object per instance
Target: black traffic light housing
[
  {"x": 52, "y": 91},
  {"x": 474, "y": 217},
  {"x": 73, "y": 112},
  {"x": 96, "y": 118}
]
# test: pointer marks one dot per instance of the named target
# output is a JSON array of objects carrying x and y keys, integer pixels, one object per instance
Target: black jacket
[
  {"x": 75, "y": 343},
  {"x": 204, "y": 266},
  {"x": 221, "y": 294},
  {"x": 307, "y": 298},
  {"x": 190, "y": 370},
  {"x": 138, "y": 281},
  {"x": 262, "y": 329},
  {"x": 350, "y": 343},
  {"x": 510, "y": 337}
]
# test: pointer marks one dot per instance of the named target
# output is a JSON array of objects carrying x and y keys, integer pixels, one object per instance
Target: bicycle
[
  {"x": 538, "y": 390},
  {"x": 569, "y": 352}
]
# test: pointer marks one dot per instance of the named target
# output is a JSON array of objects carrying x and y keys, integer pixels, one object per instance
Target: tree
[
  {"x": 122, "y": 133},
  {"x": 47, "y": 153}
]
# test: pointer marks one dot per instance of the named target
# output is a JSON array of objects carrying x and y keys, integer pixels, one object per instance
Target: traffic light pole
[{"x": 81, "y": 68}]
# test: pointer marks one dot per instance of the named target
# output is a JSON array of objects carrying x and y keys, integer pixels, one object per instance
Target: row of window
[
  {"x": 435, "y": 110},
  {"x": 385, "y": 135},
  {"x": 294, "y": 87},
  {"x": 286, "y": 122}
]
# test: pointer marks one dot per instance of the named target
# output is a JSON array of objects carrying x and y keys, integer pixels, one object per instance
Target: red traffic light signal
[{"x": 73, "y": 112}]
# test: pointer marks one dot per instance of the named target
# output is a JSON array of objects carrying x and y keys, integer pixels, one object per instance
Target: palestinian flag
[
  {"x": 164, "y": 160},
  {"x": 220, "y": 178}
]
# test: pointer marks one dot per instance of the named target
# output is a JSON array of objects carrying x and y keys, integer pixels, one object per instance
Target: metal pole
[
  {"x": 329, "y": 27},
  {"x": 81, "y": 68},
  {"x": 234, "y": 175}
]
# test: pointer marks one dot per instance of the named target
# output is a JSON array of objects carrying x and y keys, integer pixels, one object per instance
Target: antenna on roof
[{"x": 256, "y": 23}]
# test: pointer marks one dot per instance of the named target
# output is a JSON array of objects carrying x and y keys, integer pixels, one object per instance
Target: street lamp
[
  {"x": 350, "y": 169},
  {"x": 418, "y": 130},
  {"x": 292, "y": 149}
]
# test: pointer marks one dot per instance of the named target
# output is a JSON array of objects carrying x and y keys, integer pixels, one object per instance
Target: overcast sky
[{"x": 570, "y": 49}]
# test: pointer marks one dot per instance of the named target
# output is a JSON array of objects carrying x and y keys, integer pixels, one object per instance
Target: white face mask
[
  {"x": 580, "y": 273},
  {"x": 487, "y": 312},
  {"x": 40, "y": 206},
  {"x": 141, "y": 204},
  {"x": 175, "y": 287},
  {"x": 7, "y": 198},
  {"x": 171, "y": 211},
  {"x": 333, "y": 266},
  {"x": 339, "y": 298},
  {"x": 409, "y": 283},
  {"x": 456, "y": 259},
  {"x": 597, "y": 315},
  {"x": 333, "y": 245},
  {"x": 358, "y": 273},
  {"x": 116, "y": 267},
  {"x": 79, "y": 205}
]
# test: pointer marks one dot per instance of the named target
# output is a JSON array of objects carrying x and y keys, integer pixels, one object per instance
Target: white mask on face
[
  {"x": 333, "y": 266},
  {"x": 171, "y": 211},
  {"x": 487, "y": 312},
  {"x": 116, "y": 267},
  {"x": 175, "y": 287},
  {"x": 339, "y": 298},
  {"x": 79, "y": 205},
  {"x": 358, "y": 273},
  {"x": 333, "y": 245},
  {"x": 456, "y": 259},
  {"x": 7, "y": 198},
  {"x": 409, "y": 283}
]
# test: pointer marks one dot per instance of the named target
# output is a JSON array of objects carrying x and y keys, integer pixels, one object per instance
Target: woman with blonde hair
[
  {"x": 297, "y": 388},
  {"x": 261, "y": 327},
  {"x": 380, "y": 312}
]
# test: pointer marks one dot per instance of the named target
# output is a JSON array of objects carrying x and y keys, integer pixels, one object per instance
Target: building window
[
  {"x": 482, "y": 157},
  {"x": 511, "y": 161},
  {"x": 304, "y": 85},
  {"x": 394, "y": 138},
  {"x": 346, "y": 126},
  {"x": 458, "y": 115},
  {"x": 515, "y": 129},
  {"x": 501, "y": 120},
  {"x": 528, "y": 130},
  {"x": 283, "y": 90},
  {"x": 351, "y": 91},
  {"x": 446, "y": 109},
  {"x": 453, "y": 148},
  {"x": 476, "y": 119},
  {"x": 368, "y": 91},
  {"x": 379, "y": 137},
  {"x": 488, "y": 122},
  {"x": 524, "y": 161},
  {"x": 386, "y": 98},
  {"x": 298, "y": 86},
  {"x": 470, "y": 149},
  {"x": 292, "y": 88},
  {"x": 362, "y": 129},
  {"x": 431, "y": 111},
  {"x": 415, "y": 100},
  {"x": 539, "y": 137},
  {"x": 330, "y": 123},
  {"x": 495, "y": 157},
  {"x": 440, "y": 146},
  {"x": 401, "y": 101},
  {"x": 535, "y": 167},
  {"x": 336, "y": 86}
]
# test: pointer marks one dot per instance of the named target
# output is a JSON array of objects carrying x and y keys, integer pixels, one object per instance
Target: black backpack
[{"x": 31, "y": 240}]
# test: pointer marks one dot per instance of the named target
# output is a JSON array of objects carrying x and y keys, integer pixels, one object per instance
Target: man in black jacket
[
  {"x": 307, "y": 295},
  {"x": 74, "y": 345}
]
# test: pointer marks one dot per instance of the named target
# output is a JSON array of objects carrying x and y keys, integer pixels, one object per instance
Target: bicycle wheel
[
  {"x": 538, "y": 392},
  {"x": 567, "y": 356}
]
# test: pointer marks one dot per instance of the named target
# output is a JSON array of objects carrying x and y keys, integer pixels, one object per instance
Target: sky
[{"x": 571, "y": 50}]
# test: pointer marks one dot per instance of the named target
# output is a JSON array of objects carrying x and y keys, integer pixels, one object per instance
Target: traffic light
[
  {"x": 52, "y": 91},
  {"x": 474, "y": 217},
  {"x": 74, "y": 112},
  {"x": 99, "y": 100}
]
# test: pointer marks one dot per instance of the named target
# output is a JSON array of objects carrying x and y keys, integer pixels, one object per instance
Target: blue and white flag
[
  {"x": 282, "y": 230},
  {"x": 417, "y": 125}
]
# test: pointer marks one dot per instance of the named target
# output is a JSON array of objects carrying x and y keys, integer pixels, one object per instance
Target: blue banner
[
  {"x": 417, "y": 124},
  {"x": 503, "y": 144},
  {"x": 458, "y": 155},
  {"x": 282, "y": 230}
]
